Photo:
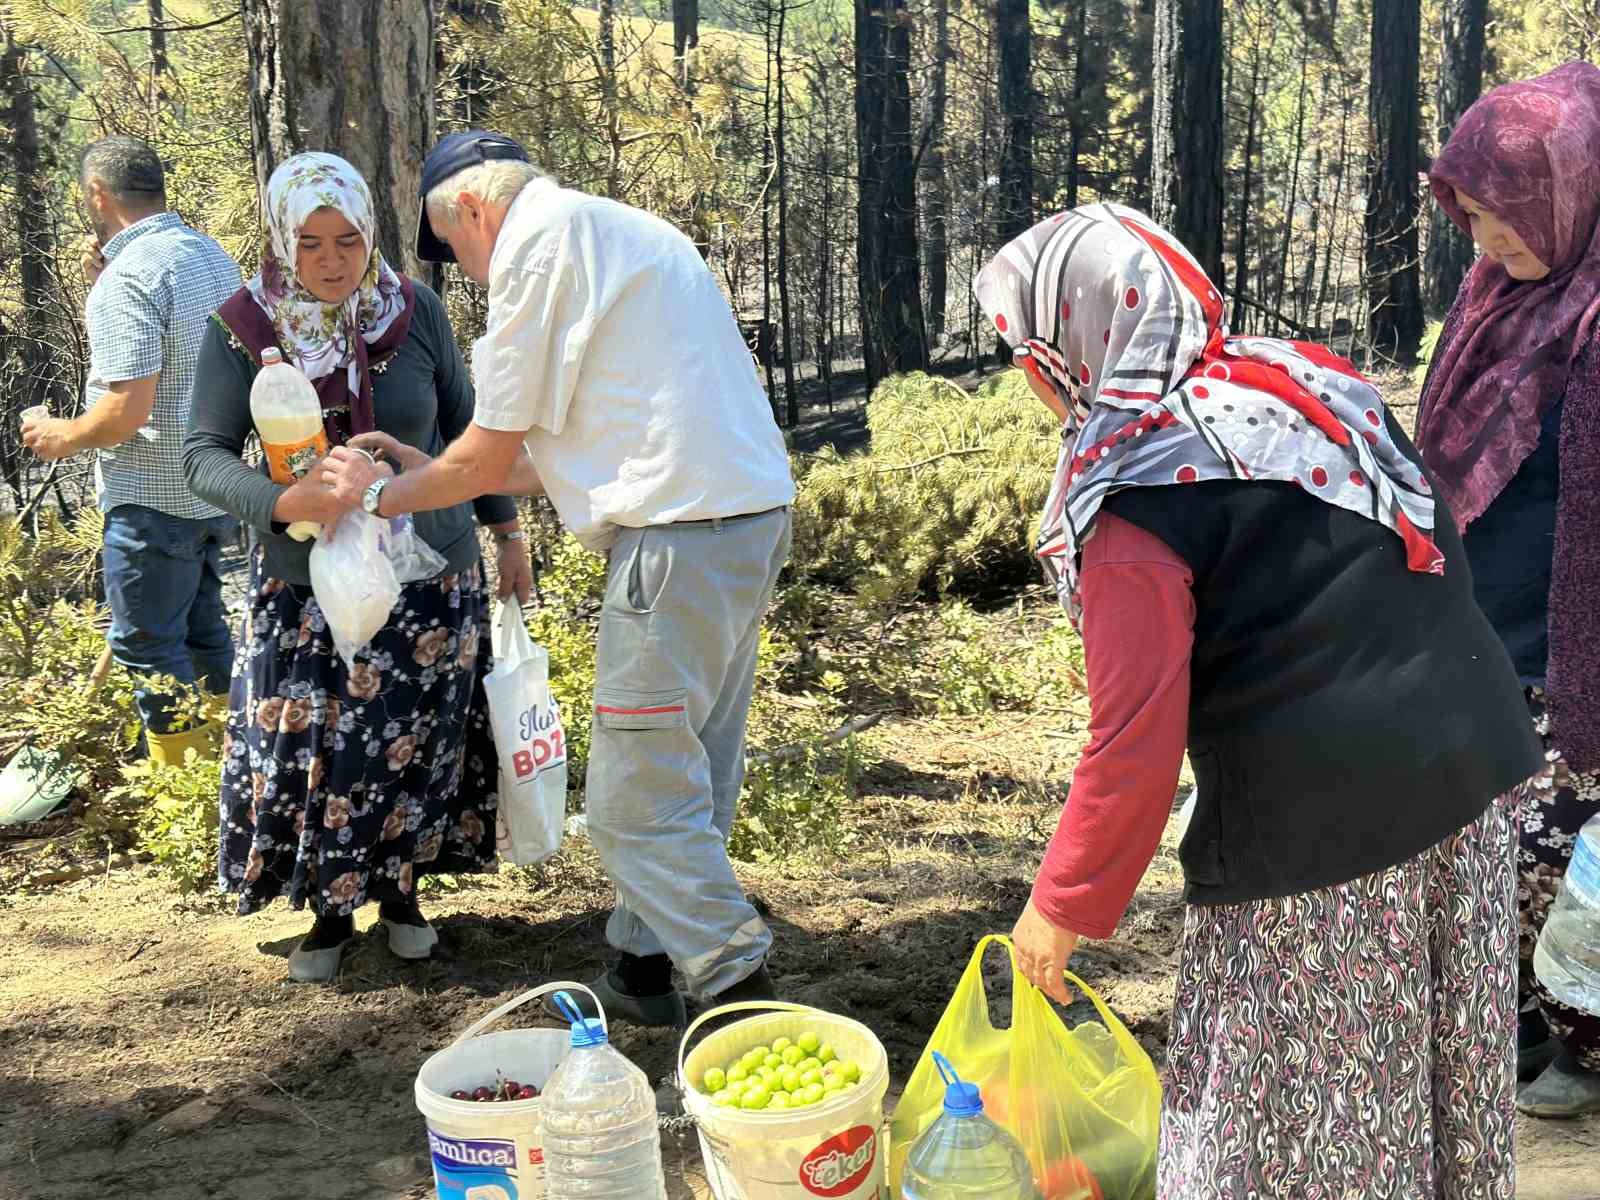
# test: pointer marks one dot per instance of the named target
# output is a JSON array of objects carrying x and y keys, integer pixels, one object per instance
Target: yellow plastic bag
[{"x": 1085, "y": 1103}]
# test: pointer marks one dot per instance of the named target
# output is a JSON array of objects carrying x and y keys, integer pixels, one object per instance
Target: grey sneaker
[
  {"x": 667, "y": 1011},
  {"x": 411, "y": 941},
  {"x": 315, "y": 966},
  {"x": 1565, "y": 1090}
]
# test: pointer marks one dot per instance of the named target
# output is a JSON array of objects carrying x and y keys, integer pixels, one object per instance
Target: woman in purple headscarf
[{"x": 1510, "y": 427}]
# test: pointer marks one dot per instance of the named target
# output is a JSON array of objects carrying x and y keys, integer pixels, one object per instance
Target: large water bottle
[
  {"x": 288, "y": 419},
  {"x": 601, "y": 1141},
  {"x": 1567, "y": 958},
  {"x": 964, "y": 1155}
]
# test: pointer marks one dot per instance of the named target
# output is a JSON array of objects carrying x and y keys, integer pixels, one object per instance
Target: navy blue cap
[{"x": 456, "y": 152}]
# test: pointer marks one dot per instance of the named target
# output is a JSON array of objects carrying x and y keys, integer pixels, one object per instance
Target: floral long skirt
[
  {"x": 1354, "y": 1042},
  {"x": 1559, "y": 803},
  {"x": 343, "y": 786}
]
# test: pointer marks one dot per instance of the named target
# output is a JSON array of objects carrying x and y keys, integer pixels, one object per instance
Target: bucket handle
[
  {"x": 740, "y": 1006},
  {"x": 483, "y": 1023}
]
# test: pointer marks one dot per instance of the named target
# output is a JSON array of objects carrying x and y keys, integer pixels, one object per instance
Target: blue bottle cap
[
  {"x": 586, "y": 1031},
  {"x": 961, "y": 1099}
]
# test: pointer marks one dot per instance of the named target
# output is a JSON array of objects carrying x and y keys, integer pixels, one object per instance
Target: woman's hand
[
  {"x": 309, "y": 500},
  {"x": 392, "y": 449},
  {"x": 348, "y": 472},
  {"x": 1043, "y": 949},
  {"x": 513, "y": 570}
]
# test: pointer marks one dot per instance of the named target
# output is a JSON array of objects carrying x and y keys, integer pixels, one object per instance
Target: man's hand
[
  {"x": 515, "y": 572},
  {"x": 391, "y": 449},
  {"x": 50, "y": 438},
  {"x": 1043, "y": 949},
  {"x": 91, "y": 258},
  {"x": 347, "y": 473},
  {"x": 478, "y": 463}
]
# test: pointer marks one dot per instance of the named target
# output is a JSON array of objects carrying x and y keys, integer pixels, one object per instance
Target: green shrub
[
  {"x": 1430, "y": 343},
  {"x": 174, "y": 813},
  {"x": 947, "y": 498},
  {"x": 795, "y": 807},
  {"x": 570, "y": 590}
]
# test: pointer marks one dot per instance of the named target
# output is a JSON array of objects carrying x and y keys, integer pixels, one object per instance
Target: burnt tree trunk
[
  {"x": 765, "y": 342},
  {"x": 1014, "y": 208},
  {"x": 1394, "y": 289},
  {"x": 30, "y": 341},
  {"x": 685, "y": 38},
  {"x": 36, "y": 250},
  {"x": 1014, "y": 35},
  {"x": 159, "y": 65},
  {"x": 353, "y": 79},
  {"x": 1242, "y": 242},
  {"x": 1284, "y": 270},
  {"x": 791, "y": 395},
  {"x": 1186, "y": 127},
  {"x": 1076, "y": 121},
  {"x": 1450, "y": 252},
  {"x": 610, "y": 110},
  {"x": 893, "y": 332},
  {"x": 935, "y": 187}
]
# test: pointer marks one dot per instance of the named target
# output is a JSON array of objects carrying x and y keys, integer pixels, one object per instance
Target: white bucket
[
  {"x": 836, "y": 1149},
  {"x": 491, "y": 1150}
]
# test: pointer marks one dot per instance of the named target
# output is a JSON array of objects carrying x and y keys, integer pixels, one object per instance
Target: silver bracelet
[{"x": 515, "y": 535}]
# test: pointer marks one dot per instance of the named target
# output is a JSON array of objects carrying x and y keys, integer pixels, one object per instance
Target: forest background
[{"x": 845, "y": 168}]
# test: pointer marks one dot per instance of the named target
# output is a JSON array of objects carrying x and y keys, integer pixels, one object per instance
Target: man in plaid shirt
[{"x": 155, "y": 283}]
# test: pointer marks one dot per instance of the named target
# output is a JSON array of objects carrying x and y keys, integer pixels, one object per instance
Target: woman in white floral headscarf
[{"x": 342, "y": 786}]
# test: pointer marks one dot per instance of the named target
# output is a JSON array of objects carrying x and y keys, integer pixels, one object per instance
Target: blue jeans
[{"x": 164, "y": 586}]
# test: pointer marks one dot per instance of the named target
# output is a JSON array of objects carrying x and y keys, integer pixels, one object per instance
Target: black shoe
[
  {"x": 1563, "y": 1092},
  {"x": 1536, "y": 1049},
  {"x": 663, "y": 1010}
]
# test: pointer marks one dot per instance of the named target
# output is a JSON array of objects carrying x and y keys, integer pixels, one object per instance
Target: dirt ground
[{"x": 153, "y": 1047}]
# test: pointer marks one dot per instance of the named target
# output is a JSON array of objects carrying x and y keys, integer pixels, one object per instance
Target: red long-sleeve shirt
[{"x": 1138, "y": 632}]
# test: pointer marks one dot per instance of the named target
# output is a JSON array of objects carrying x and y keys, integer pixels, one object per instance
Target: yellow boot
[
  {"x": 168, "y": 749},
  {"x": 215, "y": 708}
]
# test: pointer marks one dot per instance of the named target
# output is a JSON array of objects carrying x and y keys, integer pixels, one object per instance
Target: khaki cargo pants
[{"x": 674, "y": 672}]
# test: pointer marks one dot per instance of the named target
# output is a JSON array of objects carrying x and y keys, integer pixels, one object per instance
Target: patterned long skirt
[
  {"x": 1356, "y": 1041},
  {"x": 1559, "y": 803},
  {"x": 343, "y": 786}
]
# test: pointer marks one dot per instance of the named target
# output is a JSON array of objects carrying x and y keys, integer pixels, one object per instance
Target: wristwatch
[
  {"x": 514, "y": 535},
  {"x": 370, "y": 497}
]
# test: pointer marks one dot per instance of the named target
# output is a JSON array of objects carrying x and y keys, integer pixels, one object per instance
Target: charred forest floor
[{"x": 152, "y": 1046}]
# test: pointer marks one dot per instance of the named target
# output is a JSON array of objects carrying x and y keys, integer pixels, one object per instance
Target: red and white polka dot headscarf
[{"x": 1122, "y": 320}]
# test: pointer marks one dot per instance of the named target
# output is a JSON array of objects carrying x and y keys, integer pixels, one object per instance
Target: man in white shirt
[{"x": 614, "y": 379}]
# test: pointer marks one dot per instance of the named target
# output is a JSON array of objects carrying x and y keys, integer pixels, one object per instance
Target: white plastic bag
[
  {"x": 358, "y": 566},
  {"x": 354, "y": 581},
  {"x": 530, "y": 740},
  {"x": 412, "y": 557}
]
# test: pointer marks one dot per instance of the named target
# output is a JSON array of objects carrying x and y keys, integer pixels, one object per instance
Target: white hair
[{"x": 497, "y": 181}]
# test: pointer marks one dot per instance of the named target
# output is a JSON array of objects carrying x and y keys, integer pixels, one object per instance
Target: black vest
[{"x": 1346, "y": 712}]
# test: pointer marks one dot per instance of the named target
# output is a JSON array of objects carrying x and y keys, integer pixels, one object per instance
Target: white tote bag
[{"x": 531, "y": 742}]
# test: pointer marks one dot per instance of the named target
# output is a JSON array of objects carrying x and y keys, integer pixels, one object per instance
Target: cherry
[
  {"x": 483, "y": 1093},
  {"x": 527, "y": 1093},
  {"x": 512, "y": 1086},
  {"x": 458, "y": 1094}
]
